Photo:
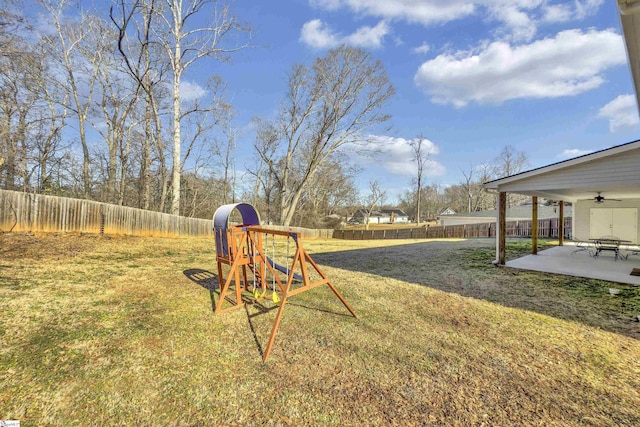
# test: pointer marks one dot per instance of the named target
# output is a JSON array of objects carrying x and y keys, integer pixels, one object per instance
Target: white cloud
[
  {"x": 573, "y": 152},
  {"x": 395, "y": 156},
  {"x": 422, "y": 49},
  {"x": 190, "y": 91},
  {"x": 370, "y": 37},
  {"x": 586, "y": 8},
  {"x": 557, "y": 13},
  {"x": 424, "y": 12},
  {"x": 519, "y": 18},
  {"x": 569, "y": 64},
  {"x": 319, "y": 35},
  {"x": 622, "y": 113}
]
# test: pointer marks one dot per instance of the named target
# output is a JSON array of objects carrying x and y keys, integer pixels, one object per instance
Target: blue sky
[{"x": 472, "y": 76}]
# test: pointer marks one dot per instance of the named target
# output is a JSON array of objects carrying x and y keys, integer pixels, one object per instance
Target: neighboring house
[
  {"x": 384, "y": 216},
  {"x": 516, "y": 213},
  {"x": 376, "y": 217},
  {"x": 396, "y": 215},
  {"x": 447, "y": 211}
]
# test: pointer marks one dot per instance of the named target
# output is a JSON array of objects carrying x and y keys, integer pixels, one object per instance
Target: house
[
  {"x": 604, "y": 188},
  {"x": 516, "y": 213},
  {"x": 383, "y": 216},
  {"x": 396, "y": 216},
  {"x": 447, "y": 211},
  {"x": 376, "y": 217}
]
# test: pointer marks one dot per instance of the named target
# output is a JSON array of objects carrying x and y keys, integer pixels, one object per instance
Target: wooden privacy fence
[
  {"x": 546, "y": 228},
  {"x": 35, "y": 212},
  {"x": 307, "y": 233},
  {"x": 22, "y": 212}
]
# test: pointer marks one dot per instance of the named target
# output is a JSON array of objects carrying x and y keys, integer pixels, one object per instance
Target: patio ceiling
[{"x": 585, "y": 193}]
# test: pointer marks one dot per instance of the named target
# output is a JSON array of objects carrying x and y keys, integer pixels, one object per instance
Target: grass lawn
[{"x": 112, "y": 331}]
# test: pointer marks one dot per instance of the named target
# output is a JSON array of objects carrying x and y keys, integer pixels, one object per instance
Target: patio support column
[
  {"x": 534, "y": 225},
  {"x": 561, "y": 223},
  {"x": 501, "y": 230}
]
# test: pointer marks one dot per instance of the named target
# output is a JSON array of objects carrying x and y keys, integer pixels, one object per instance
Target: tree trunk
[
  {"x": 175, "y": 176},
  {"x": 111, "y": 171},
  {"x": 418, "y": 201},
  {"x": 145, "y": 172}
]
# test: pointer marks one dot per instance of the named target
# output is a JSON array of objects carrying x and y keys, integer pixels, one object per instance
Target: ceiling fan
[{"x": 600, "y": 199}]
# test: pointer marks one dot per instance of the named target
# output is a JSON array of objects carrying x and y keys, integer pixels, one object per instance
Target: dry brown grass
[{"x": 110, "y": 331}]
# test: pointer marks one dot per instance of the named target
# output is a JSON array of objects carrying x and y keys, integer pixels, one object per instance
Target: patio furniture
[
  {"x": 584, "y": 246},
  {"x": 609, "y": 243},
  {"x": 632, "y": 249}
]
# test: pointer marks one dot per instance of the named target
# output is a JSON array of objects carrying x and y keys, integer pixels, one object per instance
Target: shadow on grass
[
  {"x": 209, "y": 281},
  {"x": 465, "y": 268}
]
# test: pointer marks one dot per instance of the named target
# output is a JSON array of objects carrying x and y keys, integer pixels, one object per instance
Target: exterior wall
[
  {"x": 620, "y": 169},
  {"x": 582, "y": 215}
]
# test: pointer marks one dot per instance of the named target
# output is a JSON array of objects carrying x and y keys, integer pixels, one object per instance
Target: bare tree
[
  {"x": 373, "y": 199},
  {"x": 510, "y": 162},
  {"x": 185, "y": 44},
  {"x": 326, "y": 107},
  {"x": 475, "y": 194},
  {"x": 420, "y": 155},
  {"x": 144, "y": 64},
  {"x": 115, "y": 107},
  {"x": 80, "y": 78}
]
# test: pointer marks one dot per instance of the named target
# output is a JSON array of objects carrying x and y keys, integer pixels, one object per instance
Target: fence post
[{"x": 102, "y": 220}]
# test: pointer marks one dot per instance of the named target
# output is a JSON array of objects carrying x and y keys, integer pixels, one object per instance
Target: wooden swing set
[{"x": 244, "y": 249}]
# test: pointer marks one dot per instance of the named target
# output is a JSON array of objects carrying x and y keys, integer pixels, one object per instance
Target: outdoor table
[{"x": 609, "y": 244}]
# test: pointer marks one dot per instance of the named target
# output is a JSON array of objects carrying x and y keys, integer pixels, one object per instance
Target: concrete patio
[{"x": 559, "y": 260}]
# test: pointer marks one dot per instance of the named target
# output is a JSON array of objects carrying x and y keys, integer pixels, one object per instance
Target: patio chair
[{"x": 584, "y": 246}]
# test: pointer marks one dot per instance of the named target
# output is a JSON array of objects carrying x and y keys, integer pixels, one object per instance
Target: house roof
[
  {"x": 363, "y": 213},
  {"x": 396, "y": 212},
  {"x": 448, "y": 209},
  {"x": 613, "y": 171},
  {"x": 630, "y": 19},
  {"x": 517, "y": 212}
]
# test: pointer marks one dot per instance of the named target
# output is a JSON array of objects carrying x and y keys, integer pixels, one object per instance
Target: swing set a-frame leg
[
  {"x": 301, "y": 256},
  {"x": 306, "y": 257},
  {"x": 283, "y": 302}
]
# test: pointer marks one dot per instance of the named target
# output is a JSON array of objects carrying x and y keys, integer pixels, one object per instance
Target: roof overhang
[
  {"x": 630, "y": 19},
  {"x": 574, "y": 191}
]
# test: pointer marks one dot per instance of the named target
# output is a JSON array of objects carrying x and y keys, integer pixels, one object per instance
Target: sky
[{"x": 548, "y": 77}]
